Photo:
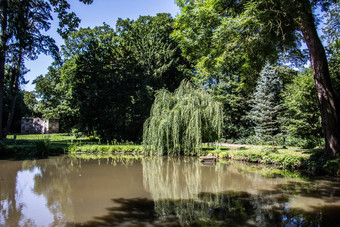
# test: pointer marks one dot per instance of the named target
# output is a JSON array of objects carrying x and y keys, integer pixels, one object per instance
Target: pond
[{"x": 113, "y": 191}]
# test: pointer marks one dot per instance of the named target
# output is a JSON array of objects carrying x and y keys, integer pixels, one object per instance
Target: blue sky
[{"x": 100, "y": 11}]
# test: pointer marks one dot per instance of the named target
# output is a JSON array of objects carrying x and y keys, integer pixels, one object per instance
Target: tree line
[{"x": 247, "y": 54}]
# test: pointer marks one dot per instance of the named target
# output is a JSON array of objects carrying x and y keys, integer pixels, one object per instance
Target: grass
[
  {"x": 97, "y": 148},
  {"x": 39, "y": 146},
  {"x": 52, "y": 137},
  {"x": 285, "y": 158},
  {"x": 308, "y": 160}
]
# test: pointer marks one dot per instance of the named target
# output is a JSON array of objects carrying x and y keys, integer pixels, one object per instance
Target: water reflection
[
  {"x": 231, "y": 194},
  {"x": 65, "y": 189},
  {"x": 10, "y": 209},
  {"x": 113, "y": 191}
]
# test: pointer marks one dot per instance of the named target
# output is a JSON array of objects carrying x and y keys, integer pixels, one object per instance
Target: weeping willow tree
[{"x": 179, "y": 122}]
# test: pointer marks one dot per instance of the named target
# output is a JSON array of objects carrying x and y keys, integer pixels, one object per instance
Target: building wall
[
  {"x": 53, "y": 126},
  {"x": 39, "y": 126}
]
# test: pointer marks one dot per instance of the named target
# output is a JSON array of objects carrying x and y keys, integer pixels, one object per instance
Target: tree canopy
[
  {"x": 22, "y": 23},
  {"x": 109, "y": 76},
  {"x": 238, "y": 37}
]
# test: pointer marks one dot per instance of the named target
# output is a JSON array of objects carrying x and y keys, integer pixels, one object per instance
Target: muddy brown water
[{"x": 160, "y": 191}]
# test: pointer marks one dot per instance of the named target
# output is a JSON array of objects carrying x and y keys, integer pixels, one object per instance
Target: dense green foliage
[
  {"x": 179, "y": 122},
  {"x": 332, "y": 33},
  {"x": 107, "y": 83},
  {"x": 234, "y": 39},
  {"x": 302, "y": 114}
]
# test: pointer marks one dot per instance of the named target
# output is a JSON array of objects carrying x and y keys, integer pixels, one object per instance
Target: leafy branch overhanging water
[{"x": 180, "y": 121}]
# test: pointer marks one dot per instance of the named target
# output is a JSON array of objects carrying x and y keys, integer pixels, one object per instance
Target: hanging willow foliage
[{"x": 179, "y": 122}]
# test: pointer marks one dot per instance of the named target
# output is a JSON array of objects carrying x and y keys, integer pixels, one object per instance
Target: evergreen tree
[{"x": 266, "y": 108}]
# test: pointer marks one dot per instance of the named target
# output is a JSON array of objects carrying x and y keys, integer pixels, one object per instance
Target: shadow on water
[
  {"x": 178, "y": 192},
  {"x": 137, "y": 211},
  {"x": 219, "y": 209}
]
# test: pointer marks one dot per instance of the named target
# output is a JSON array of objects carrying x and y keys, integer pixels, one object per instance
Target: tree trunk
[
  {"x": 3, "y": 48},
  {"x": 10, "y": 115},
  {"x": 326, "y": 97},
  {"x": 2, "y": 75},
  {"x": 14, "y": 87}
]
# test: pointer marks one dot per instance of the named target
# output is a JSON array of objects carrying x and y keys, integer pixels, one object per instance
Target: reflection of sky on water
[
  {"x": 4, "y": 211},
  {"x": 61, "y": 191},
  {"x": 34, "y": 207}
]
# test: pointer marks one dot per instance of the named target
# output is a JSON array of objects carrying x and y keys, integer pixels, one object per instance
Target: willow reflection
[
  {"x": 176, "y": 186},
  {"x": 185, "y": 178}
]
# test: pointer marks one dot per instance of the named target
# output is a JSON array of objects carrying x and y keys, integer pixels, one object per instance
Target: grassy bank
[
  {"x": 39, "y": 146},
  {"x": 310, "y": 160},
  {"x": 98, "y": 148}
]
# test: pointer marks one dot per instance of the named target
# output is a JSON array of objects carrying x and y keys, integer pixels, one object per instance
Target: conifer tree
[{"x": 266, "y": 108}]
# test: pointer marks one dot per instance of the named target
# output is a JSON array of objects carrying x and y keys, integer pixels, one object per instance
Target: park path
[
  {"x": 239, "y": 145},
  {"x": 253, "y": 146}
]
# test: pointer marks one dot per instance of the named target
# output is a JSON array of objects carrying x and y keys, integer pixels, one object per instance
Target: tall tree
[
  {"x": 254, "y": 31},
  {"x": 266, "y": 105},
  {"x": 301, "y": 109},
  {"x": 109, "y": 77},
  {"x": 331, "y": 30},
  {"x": 55, "y": 98},
  {"x": 24, "y": 20},
  {"x": 155, "y": 51}
]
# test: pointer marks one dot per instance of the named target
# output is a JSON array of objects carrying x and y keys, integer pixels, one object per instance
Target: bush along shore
[
  {"x": 41, "y": 146},
  {"x": 311, "y": 161}
]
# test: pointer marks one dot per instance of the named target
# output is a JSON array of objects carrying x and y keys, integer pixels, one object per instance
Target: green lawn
[
  {"x": 37, "y": 145},
  {"x": 51, "y": 137}
]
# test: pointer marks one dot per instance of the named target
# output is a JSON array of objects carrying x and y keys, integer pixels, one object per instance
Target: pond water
[{"x": 118, "y": 191}]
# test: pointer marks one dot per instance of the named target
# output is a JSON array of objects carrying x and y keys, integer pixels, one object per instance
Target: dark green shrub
[
  {"x": 43, "y": 148},
  {"x": 76, "y": 133},
  {"x": 269, "y": 150},
  {"x": 333, "y": 167},
  {"x": 2, "y": 147}
]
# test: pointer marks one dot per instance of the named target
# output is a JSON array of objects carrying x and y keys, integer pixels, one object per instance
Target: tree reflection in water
[
  {"x": 52, "y": 180},
  {"x": 234, "y": 209},
  {"x": 181, "y": 192},
  {"x": 9, "y": 209},
  {"x": 226, "y": 194}
]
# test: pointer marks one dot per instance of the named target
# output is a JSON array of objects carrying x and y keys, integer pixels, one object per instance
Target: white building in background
[{"x": 39, "y": 126}]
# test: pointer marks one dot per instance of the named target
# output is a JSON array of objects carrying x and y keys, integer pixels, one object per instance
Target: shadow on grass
[
  {"x": 319, "y": 163},
  {"x": 243, "y": 148},
  {"x": 31, "y": 149},
  {"x": 206, "y": 149}
]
